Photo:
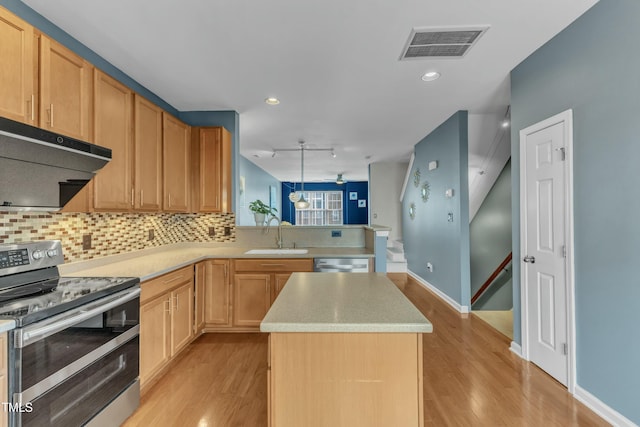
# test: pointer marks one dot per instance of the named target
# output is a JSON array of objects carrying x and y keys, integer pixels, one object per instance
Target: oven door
[{"x": 67, "y": 368}]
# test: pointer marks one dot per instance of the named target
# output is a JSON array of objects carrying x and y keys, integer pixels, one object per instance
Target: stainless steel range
[{"x": 74, "y": 355}]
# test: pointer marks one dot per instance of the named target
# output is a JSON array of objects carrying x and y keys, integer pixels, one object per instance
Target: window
[{"x": 325, "y": 208}]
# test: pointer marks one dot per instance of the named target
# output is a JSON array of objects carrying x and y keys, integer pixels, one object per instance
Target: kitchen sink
[{"x": 277, "y": 251}]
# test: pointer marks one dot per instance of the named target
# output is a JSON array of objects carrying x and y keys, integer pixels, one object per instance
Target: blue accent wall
[
  {"x": 430, "y": 237},
  {"x": 257, "y": 183},
  {"x": 592, "y": 67},
  {"x": 352, "y": 213}
]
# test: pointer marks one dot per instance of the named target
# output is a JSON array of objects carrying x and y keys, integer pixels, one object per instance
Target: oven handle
[{"x": 26, "y": 336}]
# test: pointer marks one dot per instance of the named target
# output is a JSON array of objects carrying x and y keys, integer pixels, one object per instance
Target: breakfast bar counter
[{"x": 345, "y": 349}]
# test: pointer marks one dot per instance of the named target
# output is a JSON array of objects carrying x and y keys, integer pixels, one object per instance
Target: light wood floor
[
  {"x": 502, "y": 320},
  {"x": 470, "y": 379}
]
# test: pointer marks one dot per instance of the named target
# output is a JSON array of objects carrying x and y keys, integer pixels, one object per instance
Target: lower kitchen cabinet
[
  {"x": 251, "y": 298},
  {"x": 181, "y": 317},
  {"x": 256, "y": 284},
  {"x": 166, "y": 320},
  {"x": 155, "y": 330},
  {"x": 213, "y": 276}
]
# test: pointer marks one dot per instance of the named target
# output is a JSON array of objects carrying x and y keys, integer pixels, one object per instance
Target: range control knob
[
  {"x": 52, "y": 253},
  {"x": 37, "y": 254}
]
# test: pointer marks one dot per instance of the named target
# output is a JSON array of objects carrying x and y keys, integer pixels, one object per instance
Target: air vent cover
[{"x": 441, "y": 43}]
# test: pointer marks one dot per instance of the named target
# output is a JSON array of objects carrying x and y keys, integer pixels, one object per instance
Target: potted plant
[{"x": 261, "y": 210}]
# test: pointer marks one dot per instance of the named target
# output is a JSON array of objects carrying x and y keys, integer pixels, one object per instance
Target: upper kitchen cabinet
[
  {"x": 212, "y": 169},
  {"x": 113, "y": 112},
  {"x": 176, "y": 147},
  {"x": 17, "y": 89},
  {"x": 148, "y": 155},
  {"x": 65, "y": 90}
]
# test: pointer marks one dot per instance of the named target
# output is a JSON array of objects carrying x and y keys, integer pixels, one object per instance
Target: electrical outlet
[
  {"x": 212, "y": 231},
  {"x": 430, "y": 267},
  {"x": 86, "y": 242},
  {"x": 336, "y": 233},
  {"x": 227, "y": 231},
  {"x": 152, "y": 234}
]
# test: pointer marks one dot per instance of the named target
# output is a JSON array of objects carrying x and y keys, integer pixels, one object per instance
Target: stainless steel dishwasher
[{"x": 341, "y": 265}]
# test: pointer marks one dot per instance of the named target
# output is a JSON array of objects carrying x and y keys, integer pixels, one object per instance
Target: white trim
[
  {"x": 603, "y": 410},
  {"x": 516, "y": 349},
  {"x": 382, "y": 233},
  {"x": 446, "y": 298},
  {"x": 567, "y": 118},
  {"x": 407, "y": 175}
]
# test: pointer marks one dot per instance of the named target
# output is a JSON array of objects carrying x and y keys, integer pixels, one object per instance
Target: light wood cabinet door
[
  {"x": 154, "y": 337},
  {"x": 113, "y": 102},
  {"x": 212, "y": 169},
  {"x": 176, "y": 144},
  {"x": 251, "y": 298},
  {"x": 65, "y": 90},
  {"x": 181, "y": 317},
  {"x": 279, "y": 281},
  {"x": 147, "y": 155},
  {"x": 17, "y": 90},
  {"x": 217, "y": 307}
]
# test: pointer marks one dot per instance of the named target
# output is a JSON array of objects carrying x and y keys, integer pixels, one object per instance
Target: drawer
[
  {"x": 274, "y": 264},
  {"x": 158, "y": 286}
]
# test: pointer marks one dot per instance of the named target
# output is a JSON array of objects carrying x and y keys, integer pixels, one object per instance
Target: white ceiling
[{"x": 333, "y": 64}]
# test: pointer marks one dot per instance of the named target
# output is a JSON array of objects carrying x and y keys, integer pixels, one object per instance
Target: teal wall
[
  {"x": 593, "y": 68},
  {"x": 490, "y": 236},
  {"x": 430, "y": 237},
  {"x": 257, "y": 183}
]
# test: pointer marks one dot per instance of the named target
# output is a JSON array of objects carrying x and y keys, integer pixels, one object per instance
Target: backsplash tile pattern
[{"x": 113, "y": 233}]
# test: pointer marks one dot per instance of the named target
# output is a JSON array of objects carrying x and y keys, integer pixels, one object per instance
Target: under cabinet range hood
[{"x": 42, "y": 170}]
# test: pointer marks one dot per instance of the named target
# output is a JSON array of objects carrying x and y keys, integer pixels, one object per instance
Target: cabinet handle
[
  {"x": 272, "y": 265},
  {"x": 132, "y": 195},
  {"x": 177, "y": 302},
  {"x": 51, "y": 115},
  {"x": 169, "y": 200},
  {"x": 225, "y": 272},
  {"x": 168, "y": 309},
  {"x": 33, "y": 108},
  {"x": 141, "y": 198}
]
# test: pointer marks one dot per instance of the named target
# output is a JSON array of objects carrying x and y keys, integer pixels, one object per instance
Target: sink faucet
[{"x": 279, "y": 237}]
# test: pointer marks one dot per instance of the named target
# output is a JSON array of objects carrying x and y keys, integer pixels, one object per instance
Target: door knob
[{"x": 530, "y": 259}]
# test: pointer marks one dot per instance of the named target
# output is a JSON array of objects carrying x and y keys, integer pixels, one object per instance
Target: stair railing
[{"x": 492, "y": 278}]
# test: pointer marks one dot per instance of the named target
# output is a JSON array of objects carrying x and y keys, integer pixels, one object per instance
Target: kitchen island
[{"x": 345, "y": 349}]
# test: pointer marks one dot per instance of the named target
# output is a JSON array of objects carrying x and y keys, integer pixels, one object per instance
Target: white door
[{"x": 544, "y": 245}]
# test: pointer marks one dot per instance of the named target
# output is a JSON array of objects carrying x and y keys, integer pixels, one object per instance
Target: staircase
[{"x": 396, "y": 262}]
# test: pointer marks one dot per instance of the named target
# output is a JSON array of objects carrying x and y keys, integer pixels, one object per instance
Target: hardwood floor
[
  {"x": 501, "y": 320},
  {"x": 470, "y": 379}
]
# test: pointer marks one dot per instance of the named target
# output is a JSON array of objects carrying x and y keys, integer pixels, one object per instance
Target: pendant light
[
  {"x": 339, "y": 179},
  {"x": 301, "y": 203}
]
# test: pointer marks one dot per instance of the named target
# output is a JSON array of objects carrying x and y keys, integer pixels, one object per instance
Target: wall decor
[
  {"x": 424, "y": 191},
  {"x": 362, "y": 203},
  {"x": 416, "y": 177},
  {"x": 412, "y": 210},
  {"x": 353, "y": 195}
]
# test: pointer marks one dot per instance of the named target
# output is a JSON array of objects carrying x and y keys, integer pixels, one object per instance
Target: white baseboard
[
  {"x": 446, "y": 298},
  {"x": 603, "y": 410},
  {"x": 516, "y": 349}
]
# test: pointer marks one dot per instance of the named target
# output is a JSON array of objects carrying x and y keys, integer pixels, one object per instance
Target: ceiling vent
[{"x": 441, "y": 43}]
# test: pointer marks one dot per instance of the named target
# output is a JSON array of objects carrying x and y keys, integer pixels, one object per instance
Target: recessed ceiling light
[
  {"x": 430, "y": 76},
  {"x": 272, "y": 100}
]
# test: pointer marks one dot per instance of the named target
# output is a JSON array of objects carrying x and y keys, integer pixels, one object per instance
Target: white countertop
[
  {"x": 148, "y": 264},
  {"x": 343, "y": 302}
]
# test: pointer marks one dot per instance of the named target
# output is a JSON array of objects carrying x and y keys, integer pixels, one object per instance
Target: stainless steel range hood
[{"x": 42, "y": 170}]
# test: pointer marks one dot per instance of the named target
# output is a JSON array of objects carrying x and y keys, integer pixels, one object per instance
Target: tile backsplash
[{"x": 114, "y": 233}]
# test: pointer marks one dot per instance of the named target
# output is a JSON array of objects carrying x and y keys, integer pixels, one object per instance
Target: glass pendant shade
[
  {"x": 302, "y": 203},
  {"x": 294, "y": 196}
]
